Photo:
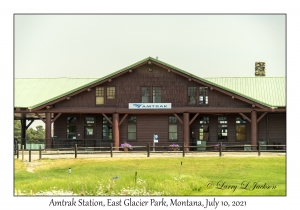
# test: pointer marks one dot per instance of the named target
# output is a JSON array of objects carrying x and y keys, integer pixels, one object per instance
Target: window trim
[
  {"x": 132, "y": 123},
  {"x": 73, "y": 124},
  {"x": 205, "y": 122},
  {"x": 189, "y": 91},
  {"x": 105, "y": 94},
  {"x": 197, "y": 96},
  {"x": 221, "y": 123},
  {"x": 243, "y": 123},
  {"x": 100, "y": 95},
  {"x": 203, "y": 94},
  {"x": 152, "y": 93},
  {"x": 156, "y": 93},
  {"x": 107, "y": 124},
  {"x": 142, "y": 94},
  {"x": 110, "y": 92},
  {"x": 172, "y": 123}
]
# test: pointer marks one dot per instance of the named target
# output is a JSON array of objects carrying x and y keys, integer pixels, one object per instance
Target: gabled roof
[
  {"x": 269, "y": 91},
  {"x": 32, "y": 93}
]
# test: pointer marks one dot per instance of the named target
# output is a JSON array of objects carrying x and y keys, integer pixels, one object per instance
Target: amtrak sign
[{"x": 149, "y": 105}]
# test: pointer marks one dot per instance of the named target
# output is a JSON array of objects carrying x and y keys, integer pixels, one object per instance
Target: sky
[{"x": 94, "y": 45}]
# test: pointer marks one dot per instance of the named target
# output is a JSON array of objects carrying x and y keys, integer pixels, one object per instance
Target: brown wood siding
[
  {"x": 262, "y": 129},
  {"x": 128, "y": 90},
  {"x": 147, "y": 126},
  {"x": 277, "y": 128}
]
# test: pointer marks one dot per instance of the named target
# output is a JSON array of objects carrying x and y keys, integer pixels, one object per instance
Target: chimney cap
[{"x": 260, "y": 68}]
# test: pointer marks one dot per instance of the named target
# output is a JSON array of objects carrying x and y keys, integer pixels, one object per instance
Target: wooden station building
[{"x": 153, "y": 97}]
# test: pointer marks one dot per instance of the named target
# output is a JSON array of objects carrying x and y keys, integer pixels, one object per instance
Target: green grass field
[{"x": 208, "y": 176}]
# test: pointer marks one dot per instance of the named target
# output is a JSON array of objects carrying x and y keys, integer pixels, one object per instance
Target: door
[{"x": 89, "y": 136}]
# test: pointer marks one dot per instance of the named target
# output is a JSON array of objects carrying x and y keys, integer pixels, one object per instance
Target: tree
[
  {"x": 17, "y": 130},
  {"x": 35, "y": 136},
  {"x": 32, "y": 136}
]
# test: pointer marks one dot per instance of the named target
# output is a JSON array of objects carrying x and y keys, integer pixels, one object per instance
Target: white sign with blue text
[
  {"x": 149, "y": 105},
  {"x": 155, "y": 138}
]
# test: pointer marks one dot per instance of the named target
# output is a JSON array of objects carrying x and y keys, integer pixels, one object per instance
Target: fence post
[
  {"x": 75, "y": 150},
  {"x": 220, "y": 149},
  {"x": 148, "y": 150},
  {"x": 183, "y": 151},
  {"x": 258, "y": 143},
  {"x": 22, "y": 152},
  {"x": 29, "y": 153},
  {"x": 40, "y": 152},
  {"x": 17, "y": 151},
  {"x": 111, "y": 150}
]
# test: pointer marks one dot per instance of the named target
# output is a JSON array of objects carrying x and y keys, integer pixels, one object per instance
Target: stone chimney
[{"x": 260, "y": 69}]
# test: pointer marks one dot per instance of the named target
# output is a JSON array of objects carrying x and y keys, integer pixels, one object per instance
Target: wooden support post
[
  {"x": 253, "y": 129},
  {"x": 40, "y": 152},
  {"x": 48, "y": 130},
  {"x": 148, "y": 150},
  {"x": 183, "y": 150},
  {"x": 22, "y": 152},
  {"x": 258, "y": 145},
  {"x": 17, "y": 150},
  {"x": 23, "y": 132},
  {"x": 186, "y": 129},
  {"x": 75, "y": 150},
  {"x": 116, "y": 132},
  {"x": 111, "y": 150},
  {"x": 29, "y": 154},
  {"x": 220, "y": 149}
]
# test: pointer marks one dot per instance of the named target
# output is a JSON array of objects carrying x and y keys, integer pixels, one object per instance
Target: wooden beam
[
  {"x": 178, "y": 118},
  {"x": 56, "y": 117},
  {"x": 27, "y": 126},
  {"x": 40, "y": 117},
  {"x": 107, "y": 118},
  {"x": 245, "y": 117},
  {"x": 123, "y": 118},
  {"x": 49, "y": 106},
  {"x": 192, "y": 120},
  {"x": 261, "y": 116}
]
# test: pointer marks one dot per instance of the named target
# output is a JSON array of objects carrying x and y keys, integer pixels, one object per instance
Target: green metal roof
[
  {"x": 269, "y": 91},
  {"x": 31, "y": 93}
]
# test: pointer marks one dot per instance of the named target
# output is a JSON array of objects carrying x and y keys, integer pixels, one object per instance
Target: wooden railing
[{"x": 181, "y": 150}]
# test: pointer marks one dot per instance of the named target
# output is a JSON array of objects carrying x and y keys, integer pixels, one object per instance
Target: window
[
  {"x": 99, "y": 95},
  {"x": 89, "y": 120},
  {"x": 156, "y": 94},
  {"x": 110, "y": 92},
  {"x": 106, "y": 129},
  {"x": 222, "y": 128},
  {"x": 240, "y": 129},
  {"x": 71, "y": 120},
  {"x": 89, "y": 131},
  {"x": 192, "y": 95},
  {"x": 204, "y": 129},
  {"x": 172, "y": 128},
  {"x": 145, "y": 94},
  {"x": 71, "y": 127},
  {"x": 203, "y": 95},
  {"x": 132, "y": 128}
]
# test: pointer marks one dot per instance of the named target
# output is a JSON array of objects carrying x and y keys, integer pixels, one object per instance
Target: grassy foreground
[{"x": 154, "y": 176}]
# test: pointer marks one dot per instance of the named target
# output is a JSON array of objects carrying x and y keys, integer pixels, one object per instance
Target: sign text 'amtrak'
[{"x": 150, "y": 106}]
